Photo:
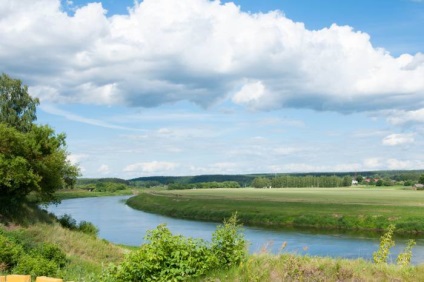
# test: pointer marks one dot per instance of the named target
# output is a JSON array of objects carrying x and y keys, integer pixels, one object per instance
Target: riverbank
[
  {"x": 80, "y": 193},
  {"x": 88, "y": 259},
  {"x": 323, "y": 208}
]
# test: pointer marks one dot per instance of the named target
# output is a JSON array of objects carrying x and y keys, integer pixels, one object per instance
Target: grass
[
  {"x": 88, "y": 256},
  {"x": 288, "y": 267},
  {"x": 79, "y": 193},
  {"x": 329, "y": 208}
]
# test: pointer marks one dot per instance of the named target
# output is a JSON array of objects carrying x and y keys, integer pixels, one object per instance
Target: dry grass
[{"x": 287, "y": 267}]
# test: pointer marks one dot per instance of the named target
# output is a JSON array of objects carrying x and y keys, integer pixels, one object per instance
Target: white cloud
[
  {"x": 398, "y": 139},
  {"x": 250, "y": 93},
  {"x": 372, "y": 163},
  {"x": 400, "y": 117},
  {"x": 51, "y": 109},
  {"x": 151, "y": 168},
  {"x": 395, "y": 164},
  {"x": 201, "y": 51},
  {"x": 104, "y": 169},
  {"x": 77, "y": 158}
]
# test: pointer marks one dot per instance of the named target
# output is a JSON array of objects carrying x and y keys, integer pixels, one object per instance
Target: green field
[{"x": 324, "y": 208}]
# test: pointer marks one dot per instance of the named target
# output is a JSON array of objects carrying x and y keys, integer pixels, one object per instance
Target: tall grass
[{"x": 289, "y": 267}]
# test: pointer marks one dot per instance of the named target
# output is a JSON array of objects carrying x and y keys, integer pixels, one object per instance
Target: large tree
[
  {"x": 33, "y": 158},
  {"x": 17, "y": 107}
]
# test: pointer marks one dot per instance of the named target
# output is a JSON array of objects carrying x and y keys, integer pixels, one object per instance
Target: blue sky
[{"x": 188, "y": 87}]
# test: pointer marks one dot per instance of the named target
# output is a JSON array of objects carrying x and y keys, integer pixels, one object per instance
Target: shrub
[
  {"x": 88, "y": 228},
  {"x": 228, "y": 243},
  {"x": 10, "y": 252},
  {"x": 67, "y": 221},
  {"x": 35, "y": 265},
  {"x": 404, "y": 258},
  {"x": 386, "y": 242},
  {"x": 52, "y": 253},
  {"x": 168, "y": 257}
]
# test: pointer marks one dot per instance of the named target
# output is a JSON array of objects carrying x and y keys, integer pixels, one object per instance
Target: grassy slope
[
  {"x": 88, "y": 256},
  {"x": 343, "y": 208},
  {"x": 286, "y": 267}
]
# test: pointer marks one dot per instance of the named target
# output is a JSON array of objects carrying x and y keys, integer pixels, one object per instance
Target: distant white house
[{"x": 354, "y": 182}]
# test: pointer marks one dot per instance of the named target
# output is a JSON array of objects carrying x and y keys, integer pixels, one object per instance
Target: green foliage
[
  {"x": 35, "y": 161},
  {"x": 386, "y": 242},
  {"x": 10, "y": 252},
  {"x": 421, "y": 180},
  {"x": 261, "y": 182},
  {"x": 32, "y": 157},
  {"x": 67, "y": 221},
  {"x": 17, "y": 107},
  {"x": 379, "y": 182},
  {"x": 288, "y": 181},
  {"x": 404, "y": 258},
  {"x": 169, "y": 257},
  {"x": 204, "y": 185},
  {"x": 20, "y": 256},
  {"x": 53, "y": 253},
  {"x": 88, "y": 228},
  {"x": 228, "y": 243}
]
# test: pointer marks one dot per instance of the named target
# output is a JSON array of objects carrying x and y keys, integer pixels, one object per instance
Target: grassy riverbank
[
  {"x": 288, "y": 267},
  {"x": 80, "y": 193},
  {"x": 88, "y": 259},
  {"x": 323, "y": 208}
]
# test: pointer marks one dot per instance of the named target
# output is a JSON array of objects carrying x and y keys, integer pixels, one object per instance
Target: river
[{"x": 121, "y": 224}]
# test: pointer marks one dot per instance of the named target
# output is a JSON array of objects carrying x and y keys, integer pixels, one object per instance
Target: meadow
[{"x": 371, "y": 209}]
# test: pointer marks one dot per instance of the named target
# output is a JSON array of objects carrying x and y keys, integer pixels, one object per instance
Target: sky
[{"x": 190, "y": 87}]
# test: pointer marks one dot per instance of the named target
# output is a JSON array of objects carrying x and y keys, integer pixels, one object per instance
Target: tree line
[
  {"x": 287, "y": 181},
  {"x": 204, "y": 185}
]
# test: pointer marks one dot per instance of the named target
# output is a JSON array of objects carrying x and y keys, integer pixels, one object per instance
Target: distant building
[
  {"x": 418, "y": 187},
  {"x": 354, "y": 182}
]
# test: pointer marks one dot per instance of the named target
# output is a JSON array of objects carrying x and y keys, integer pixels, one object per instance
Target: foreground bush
[
  {"x": 18, "y": 256},
  {"x": 10, "y": 251},
  {"x": 170, "y": 257}
]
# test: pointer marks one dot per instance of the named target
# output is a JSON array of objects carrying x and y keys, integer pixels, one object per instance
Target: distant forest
[{"x": 245, "y": 180}]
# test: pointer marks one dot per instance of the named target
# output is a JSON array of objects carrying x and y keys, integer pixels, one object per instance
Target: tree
[
  {"x": 33, "y": 158},
  {"x": 421, "y": 180},
  {"x": 261, "y": 182},
  {"x": 17, "y": 107}
]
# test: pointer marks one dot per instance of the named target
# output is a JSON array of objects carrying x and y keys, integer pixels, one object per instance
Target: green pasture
[{"x": 334, "y": 208}]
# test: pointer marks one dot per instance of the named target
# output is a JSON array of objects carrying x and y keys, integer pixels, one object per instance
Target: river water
[{"x": 120, "y": 224}]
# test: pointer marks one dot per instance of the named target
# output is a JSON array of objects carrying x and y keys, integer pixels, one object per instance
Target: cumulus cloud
[
  {"x": 372, "y": 163},
  {"x": 202, "y": 51},
  {"x": 154, "y": 167},
  {"x": 398, "y": 139},
  {"x": 75, "y": 159},
  {"x": 401, "y": 117},
  {"x": 103, "y": 169}
]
